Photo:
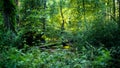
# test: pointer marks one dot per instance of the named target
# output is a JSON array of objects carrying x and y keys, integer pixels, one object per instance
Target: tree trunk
[
  {"x": 118, "y": 21},
  {"x": 16, "y": 1},
  {"x": 108, "y": 9},
  {"x": 17, "y": 15},
  {"x": 84, "y": 9},
  {"x": 44, "y": 19},
  {"x": 9, "y": 15},
  {"x": 63, "y": 21},
  {"x": 114, "y": 10},
  {"x": 119, "y": 12}
]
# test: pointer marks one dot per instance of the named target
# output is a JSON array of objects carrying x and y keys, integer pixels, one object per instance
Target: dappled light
[{"x": 59, "y": 34}]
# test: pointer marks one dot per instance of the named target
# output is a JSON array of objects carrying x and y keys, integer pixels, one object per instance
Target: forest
[{"x": 59, "y": 33}]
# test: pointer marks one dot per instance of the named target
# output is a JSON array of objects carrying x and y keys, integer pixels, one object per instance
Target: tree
[
  {"x": 119, "y": 12},
  {"x": 9, "y": 14},
  {"x": 114, "y": 9},
  {"x": 84, "y": 9},
  {"x": 44, "y": 19},
  {"x": 63, "y": 21}
]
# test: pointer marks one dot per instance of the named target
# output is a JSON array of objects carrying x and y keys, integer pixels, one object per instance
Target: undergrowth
[{"x": 57, "y": 58}]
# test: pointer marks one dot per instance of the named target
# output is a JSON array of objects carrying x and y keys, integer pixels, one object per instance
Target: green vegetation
[{"x": 59, "y": 34}]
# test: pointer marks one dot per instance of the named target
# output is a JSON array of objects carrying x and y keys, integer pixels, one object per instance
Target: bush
[
  {"x": 102, "y": 32},
  {"x": 29, "y": 37},
  {"x": 115, "y": 61}
]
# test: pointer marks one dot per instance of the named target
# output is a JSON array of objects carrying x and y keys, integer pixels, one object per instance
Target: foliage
[
  {"x": 90, "y": 27},
  {"x": 34, "y": 58},
  {"x": 102, "y": 32},
  {"x": 9, "y": 14},
  {"x": 115, "y": 61},
  {"x": 7, "y": 38}
]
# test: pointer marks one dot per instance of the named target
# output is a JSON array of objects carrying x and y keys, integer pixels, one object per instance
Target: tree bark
[
  {"x": 44, "y": 19},
  {"x": 84, "y": 10},
  {"x": 17, "y": 15},
  {"x": 9, "y": 15},
  {"x": 114, "y": 10},
  {"x": 63, "y": 21},
  {"x": 16, "y": 1},
  {"x": 118, "y": 21},
  {"x": 119, "y": 12}
]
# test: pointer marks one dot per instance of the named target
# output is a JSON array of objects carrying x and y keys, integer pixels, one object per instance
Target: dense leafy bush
[
  {"x": 106, "y": 33},
  {"x": 30, "y": 38},
  {"x": 115, "y": 61},
  {"x": 101, "y": 32}
]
